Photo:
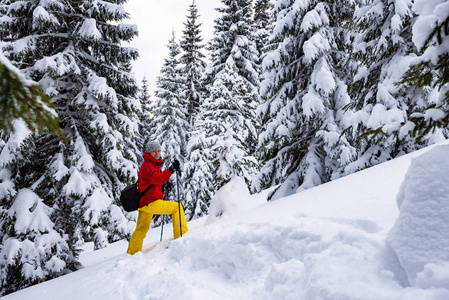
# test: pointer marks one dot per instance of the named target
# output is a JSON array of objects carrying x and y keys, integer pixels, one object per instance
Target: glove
[{"x": 174, "y": 167}]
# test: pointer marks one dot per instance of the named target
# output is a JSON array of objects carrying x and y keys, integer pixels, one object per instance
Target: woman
[{"x": 151, "y": 203}]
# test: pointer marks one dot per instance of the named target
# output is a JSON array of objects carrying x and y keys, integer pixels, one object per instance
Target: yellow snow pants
[{"x": 158, "y": 207}]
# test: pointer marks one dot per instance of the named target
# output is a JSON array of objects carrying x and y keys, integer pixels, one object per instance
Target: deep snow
[{"x": 346, "y": 239}]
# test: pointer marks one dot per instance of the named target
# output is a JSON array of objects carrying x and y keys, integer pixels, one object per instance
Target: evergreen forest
[{"x": 288, "y": 94}]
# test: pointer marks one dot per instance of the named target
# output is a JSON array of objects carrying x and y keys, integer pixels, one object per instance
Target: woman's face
[{"x": 156, "y": 154}]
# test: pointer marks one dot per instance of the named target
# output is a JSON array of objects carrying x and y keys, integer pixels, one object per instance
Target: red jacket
[{"x": 150, "y": 173}]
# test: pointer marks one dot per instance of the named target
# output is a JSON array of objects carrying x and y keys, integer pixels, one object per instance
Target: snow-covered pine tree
[
  {"x": 31, "y": 249},
  {"x": 303, "y": 140},
  {"x": 193, "y": 64},
  {"x": 263, "y": 26},
  {"x": 228, "y": 113},
  {"x": 170, "y": 122},
  {"x": 195, "y": 177},
  {"x": 145, "y": 117},
  {"x": 430, "y": 71},
  {"x": 380, "y": 104},
  {"x": 72, "y": 50},
  {"x": 26, "y": 109}
]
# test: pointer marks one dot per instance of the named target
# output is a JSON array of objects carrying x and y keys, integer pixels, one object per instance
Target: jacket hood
[{"x": 147, "y": 157}]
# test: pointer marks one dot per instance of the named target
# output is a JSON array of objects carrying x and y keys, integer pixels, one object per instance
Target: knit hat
[{"x": 152, "y": 146}]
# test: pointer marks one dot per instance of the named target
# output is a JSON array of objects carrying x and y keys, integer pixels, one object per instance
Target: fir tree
[
  {"x": 193, "y": 63},
  {"x": 263, "y": 26},
  {"x": 75, "y": 54},
  {"x": 195, "y": 177},
  {"x": 381, "y": 105},
  {"x": 32, "y": 249},
  {"x": 145, "y": 116},
  {"x": 228, "y": 113},
  {"x": 304, "y": 83},
  {"x": 431, "y": 71},
  {"x": 169, "y": 121},
  {"x": 198, "y": 176}
]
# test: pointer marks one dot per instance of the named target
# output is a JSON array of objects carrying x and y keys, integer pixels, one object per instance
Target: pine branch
[{"x": 26, "y": 102}]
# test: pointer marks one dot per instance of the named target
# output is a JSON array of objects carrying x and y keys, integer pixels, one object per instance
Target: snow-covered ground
[{"x": 346, "y": 239}]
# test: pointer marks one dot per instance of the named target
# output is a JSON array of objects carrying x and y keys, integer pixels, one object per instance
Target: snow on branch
[
  {"x": 61, "y": 63},
  {"x": 315, "y": 18},
  {"x": 89, "y": 30},
  {"x": 99, "y": 88},
  {"x": 43, "y": 20},
  {"x": 315, "y": 46}
]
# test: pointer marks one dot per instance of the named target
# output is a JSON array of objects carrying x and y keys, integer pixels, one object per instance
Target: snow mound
[
  {"x": 420, "y": 236},
  {"x": 231, "y": 199}
]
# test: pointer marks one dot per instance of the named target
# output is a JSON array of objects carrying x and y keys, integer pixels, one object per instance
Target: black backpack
[{"x": 130, "y": 197}]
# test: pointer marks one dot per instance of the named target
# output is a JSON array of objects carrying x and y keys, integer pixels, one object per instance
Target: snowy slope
[{"x": 334, "y": 241}]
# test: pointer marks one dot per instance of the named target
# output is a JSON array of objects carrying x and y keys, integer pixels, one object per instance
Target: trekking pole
[
  {"x": 179, "y": 203},
  {"x": 162, "y": 227}
]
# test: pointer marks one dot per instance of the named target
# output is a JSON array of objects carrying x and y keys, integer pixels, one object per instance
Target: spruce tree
[
  {"x": 145, "y": 117},
  {"x": 430, "y": 72},
  {"x": 303, "y": 139},
  {"x": 198, "y": 176},
  {"x": 193, "y": 63},
  {"x": 169, "y": 121},
  {"x": 74, "y": 52},
  {"x": 228, "y": 112},
  {"x": 263, "y": 26},
  {"x": 381, "y": 105},
  {"x": 32, "y": 249},
  {"x": 194, "y": 177}
]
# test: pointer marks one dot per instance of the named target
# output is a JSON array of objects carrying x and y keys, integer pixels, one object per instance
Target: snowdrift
[{"x": 382, "y": 233}]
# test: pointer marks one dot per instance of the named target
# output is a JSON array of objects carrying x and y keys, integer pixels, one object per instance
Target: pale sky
[{"x": 155, "y": 20}]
